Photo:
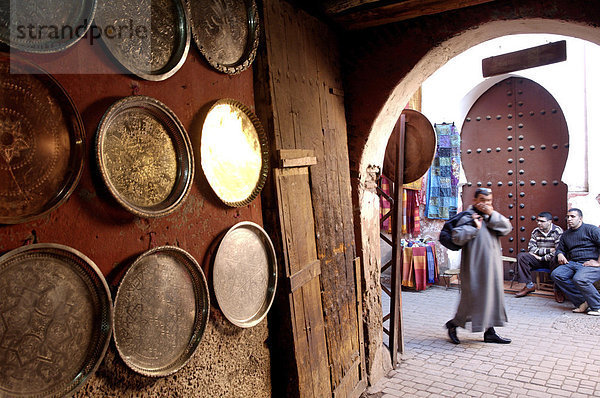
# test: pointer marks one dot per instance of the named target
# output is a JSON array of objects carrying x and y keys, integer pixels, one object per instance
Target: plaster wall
[
  {"x": 385, "y": 65},
  {"x": 230, "y": 361}
]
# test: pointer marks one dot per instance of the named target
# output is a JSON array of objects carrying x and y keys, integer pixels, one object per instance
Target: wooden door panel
[{"x": 303, "y": 270}]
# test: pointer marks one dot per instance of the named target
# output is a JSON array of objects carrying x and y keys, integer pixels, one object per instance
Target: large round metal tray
[
  {"x": 56, "y": 313},
  {"x": 145, "y": 156},
  {"x": 420, "y": 144},
  {"x": 161, "y": 311},
  {"x": 234, "y": 152},
  {"x": 226, "y": 32},
  {"x": 245, "y": 274},
  {"x": 149, "y": 38},
  {"x": 44, "y": 26},
  {"x": 41, "y": 142}
]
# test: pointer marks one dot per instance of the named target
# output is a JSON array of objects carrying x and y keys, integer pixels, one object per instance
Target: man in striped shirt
[{"x": 541, "y": 252}]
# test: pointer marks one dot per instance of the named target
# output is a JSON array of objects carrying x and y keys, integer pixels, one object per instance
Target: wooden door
[
  {"x": 303, "y": 269},
  {"x": 515, "y": 141}
]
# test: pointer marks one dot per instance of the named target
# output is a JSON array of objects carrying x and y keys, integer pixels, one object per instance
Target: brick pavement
[{"x": 554, "y": 352}]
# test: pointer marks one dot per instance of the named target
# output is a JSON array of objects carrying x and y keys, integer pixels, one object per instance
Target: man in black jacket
[{"x": 578, "y": 254}]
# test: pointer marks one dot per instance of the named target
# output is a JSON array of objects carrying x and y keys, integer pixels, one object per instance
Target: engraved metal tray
[
  {"x": 41, "y": 142},
  {"x": 234, "y": 152},
  {"x": 56, "y": 316},
  {"x": 44, "y": 26},
  {"x": 150, "y": 38},
  {"x": 245, "y": 274},
  {"x": 226, "y": 32},
  {"x": 161, "y": 311},
  {"x": 145, "y": 156}
]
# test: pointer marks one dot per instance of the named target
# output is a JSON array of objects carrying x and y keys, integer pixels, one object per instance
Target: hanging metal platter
[
  {"x": 150, "y": 38},
  {"x": 245, "y": 274},
  {"x": 44, "y": 26},
  {"x": 41, "y": 142},
  {"x": 145, "y": 156},
  {"x": 420, "y": 144},
  {"x": 56, "y": 313},
  {"x": 226, "y": 32},
  {"x": 161, "y": 311},
  {"x": 234, "y": 153}
]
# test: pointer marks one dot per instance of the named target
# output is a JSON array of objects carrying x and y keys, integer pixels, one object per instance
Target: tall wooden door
[{"x": 515, "y": 141}]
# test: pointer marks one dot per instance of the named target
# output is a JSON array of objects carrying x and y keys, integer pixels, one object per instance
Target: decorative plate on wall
[
  {"x": 44, "y": 26},
  {"x": 41, "y": 142},
  {"x": 145, "y": 156},
  {"x": 245, "y": 274},
  {"x": 150, "y": 38},
  {"x": 233, "y": 152},
  {"x": 161, "y": 311},
  {"x": 226, "y": 32},
  {"x": 56, "y": 320}
]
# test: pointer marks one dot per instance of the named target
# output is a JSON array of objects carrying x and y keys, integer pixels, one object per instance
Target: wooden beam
[
  {"x": 524, "y": 59},
  {"x": 296, "y": 157},
  {"x": 372, "y": 15}
]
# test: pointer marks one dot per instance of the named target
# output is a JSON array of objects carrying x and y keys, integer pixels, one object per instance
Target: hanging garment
[
  {"x": 443, "y": 176},
  {"x": 419, "y": 260},
  {"x": 432, "y": 271}
]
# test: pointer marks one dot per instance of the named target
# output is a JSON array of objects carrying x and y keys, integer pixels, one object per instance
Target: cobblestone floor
[{"x": 554, "y": 353}]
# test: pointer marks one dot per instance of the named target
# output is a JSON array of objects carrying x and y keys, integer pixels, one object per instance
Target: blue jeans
[{"x": 577, "y": 282}]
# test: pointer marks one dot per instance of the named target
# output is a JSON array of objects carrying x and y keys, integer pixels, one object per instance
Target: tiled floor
[{"x": 554, "y": 353}]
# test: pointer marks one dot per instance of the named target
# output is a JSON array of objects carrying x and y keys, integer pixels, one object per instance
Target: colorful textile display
[
  {"x": 442, "y": 180},
  {"x": 419, "y": 265},
  {"x": 410, "y": 209}
]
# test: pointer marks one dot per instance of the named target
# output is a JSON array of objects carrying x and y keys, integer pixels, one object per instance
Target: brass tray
[
  {"x": 56, "y": 315},
  {"x": 234, "y": 152},
  {"x": 44, "y": 26},
  {"x": 150, "y": 38},
  {"x": 145, "y": 156},
  {"x": 161, "y": 311},
  {"x": 41, "y": 142},
  {"x": 245, "y": 274},
  {"x": 226, "y": 32}
]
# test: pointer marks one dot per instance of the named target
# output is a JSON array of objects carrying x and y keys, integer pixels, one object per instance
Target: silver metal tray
[
  {"x": 44, "y": 26},
  {"x": 56, "y": 315},
  {"x": 234, "y": 152},
  {"x": 145, "y": 156},
  {"x": 245, "y": 274},
  {"x": 41, "y": 142},
  {"x": 161, "y": 311},
  {"x": 226, "y": 32},
  {"x": 150, "y": 38}
]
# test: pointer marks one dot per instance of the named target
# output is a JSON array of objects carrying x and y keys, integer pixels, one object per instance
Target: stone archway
[{"x": 375, "y": 73}]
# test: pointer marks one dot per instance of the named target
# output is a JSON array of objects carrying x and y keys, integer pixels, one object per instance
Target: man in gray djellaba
[{"x": 481, "y": 272}]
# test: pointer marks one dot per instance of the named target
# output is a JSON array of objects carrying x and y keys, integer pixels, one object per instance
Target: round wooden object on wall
[{"x": 419, "y": 147}]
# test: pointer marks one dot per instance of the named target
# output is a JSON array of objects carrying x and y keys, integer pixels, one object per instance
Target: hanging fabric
[{"x": 443, "y": 176}]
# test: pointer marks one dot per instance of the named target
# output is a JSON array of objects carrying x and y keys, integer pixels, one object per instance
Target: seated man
[
  {"x": 541, "y": 252},
  {"x": 578, "y": 253}
]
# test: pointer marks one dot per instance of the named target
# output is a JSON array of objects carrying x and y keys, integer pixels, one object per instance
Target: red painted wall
[{"x": 91, "y": 221}]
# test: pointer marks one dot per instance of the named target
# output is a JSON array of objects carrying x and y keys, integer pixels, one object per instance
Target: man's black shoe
[
  {"x": 452, "y": 332},
  {"x": 490, "y": 336}
]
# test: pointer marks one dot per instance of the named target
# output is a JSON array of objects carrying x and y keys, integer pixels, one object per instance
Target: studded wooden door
[{"x": 515, "y": 141}]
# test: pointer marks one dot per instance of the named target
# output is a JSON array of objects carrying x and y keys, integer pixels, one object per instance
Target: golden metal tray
[
  {"x": 56, "y": 315},
  {"x": 41, "y": 142},
  {"x": 234, "y": 152},
  {"x": 145, "y": 156},
  {"x": 147, "y": 37},
  {"x": 45, "y": 26},
  {"x": 226, "y": 32},
  {"x": 161, "y": 311},
  {"x": 245, "y": 274}
]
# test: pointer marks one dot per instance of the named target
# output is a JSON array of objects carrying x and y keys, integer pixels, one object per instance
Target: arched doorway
[{"x": 371, "y": 124}]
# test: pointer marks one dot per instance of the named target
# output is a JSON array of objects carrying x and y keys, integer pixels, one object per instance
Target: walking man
[
  {"x": 481, "y": 271},
  {"x": 578, "y": 254},
  {"x": 541, "y": 252}
]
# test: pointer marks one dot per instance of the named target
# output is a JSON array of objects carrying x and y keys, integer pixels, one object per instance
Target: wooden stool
[{"x": 448, "y": 274}]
